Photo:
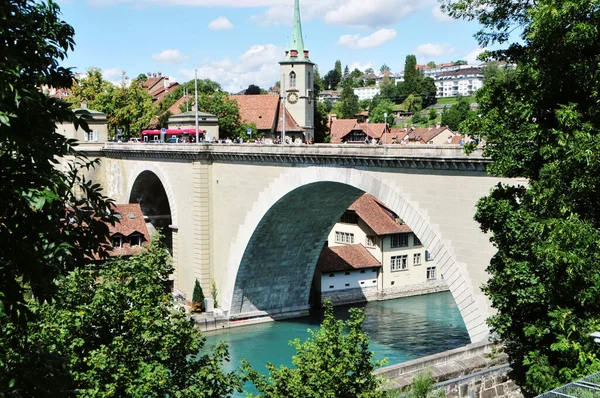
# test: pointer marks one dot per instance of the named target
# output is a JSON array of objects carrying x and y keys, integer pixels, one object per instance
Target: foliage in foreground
[
  {"x": 422, "y": 387},
  {"x": 46, "y": 230},
  {"x": 541, "y": 122},
  {"x": 335, "y": 362},
  {"x": 121, "y": 334}
]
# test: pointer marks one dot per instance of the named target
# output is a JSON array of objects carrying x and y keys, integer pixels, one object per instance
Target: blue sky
[{"x": 239, "y": 42}]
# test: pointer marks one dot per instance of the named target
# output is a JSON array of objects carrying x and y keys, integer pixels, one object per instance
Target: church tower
[{"x": 297, "y": 73}]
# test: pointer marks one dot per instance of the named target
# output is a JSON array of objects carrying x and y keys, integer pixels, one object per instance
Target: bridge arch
[
  {"x": 148, "y": 187},
  {"x": 269, "y": 268}
]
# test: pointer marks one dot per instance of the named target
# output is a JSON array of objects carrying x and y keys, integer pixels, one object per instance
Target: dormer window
[
  {"x": 117, "y": 241},
  {"x": 292, "y": 79},
  {"x": 135, "y": 240}
]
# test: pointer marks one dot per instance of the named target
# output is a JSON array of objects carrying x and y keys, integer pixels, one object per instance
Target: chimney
[
  {"x": 83, "y": 104},
  {"x": 154, "y": 75},
  {"x": 166, "y": 84},
  {"x": 437, "y": 125},
  {"x": 159, "y": 74},
  {"x": 149, "y": 74}
]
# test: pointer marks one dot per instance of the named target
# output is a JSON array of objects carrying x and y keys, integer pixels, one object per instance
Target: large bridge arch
[
  {"x": 144, "y": 172},
  {"x": 257, "y": 275}
]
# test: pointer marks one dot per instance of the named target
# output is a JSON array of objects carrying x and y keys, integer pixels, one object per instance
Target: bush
[{"x": 197, "y": 297}]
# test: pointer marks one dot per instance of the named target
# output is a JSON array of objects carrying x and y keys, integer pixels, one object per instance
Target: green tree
[
  {"x": 335, "y": 362},
  {"x": 198, "y": 297},
  {"x": 431, "y": 64},
  {"x": 384, "y": 68},
  {"x": 377, "y": 115},
  {"x": 456, "y": 114},
  {"x": 205, "y": 86},
  {"x": 318, "y": 85},
  {"x": 338, "y": 68},
  {"x": 541, "y": 122},
  {"x": 123, "y": 335},
  {"x": 331, "y": 80},
  {"x": 356, "y": 73},
  {"x": 346, "y": 72},
  {"x": 348, "y": 104},
  {"x": 219, "y": 103},
  {"x": 411, "y": 75},
  {"x": 132, "y": 108},
  {"x": 94, "y": 90},
  {"x": 413, "y": 103},
  {"x": 369, "y": 71},
  {"x": 47, "y": 229},
  {"x": 432, "y": 114},
  {"x": 460, "y": 62},
  {"x": 387, "y": 89},
  {"x": 253, "y": 90}
]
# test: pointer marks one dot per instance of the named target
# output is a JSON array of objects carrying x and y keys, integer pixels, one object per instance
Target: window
[
  {"x": 416, "y": 241},
  {"x": 331, "y": 287},
  {"x": 399, "y": 263},
  {"x": 292, "y": 79},
  {"x": 430, "y": 273},
  {"x": 393, "y": 283},
  {"x": 135, "y": 240},
  {"x": 362, "y": 271},
  {"x": 417, "y": 259},
  {"x": 349, "y": 217},
  {"x": 91, "y": 136},
  {"x": 331, "y": 275},
  {"x": 428, "y": 256},
  {"x": 347, "y": 284},
  {"x": 399, "y": 240},
  {"x": 117, "y": 241},
  {"x": 370, "y": 241},
  {"x": 344, "y": 237},
  {"x": 347, "y": 273},
  {"x": 374, "y": 270}
]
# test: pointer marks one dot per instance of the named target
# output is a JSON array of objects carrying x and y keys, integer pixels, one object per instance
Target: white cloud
[
  {"x": 114, "y": 76},
  {"x": 441, "y": 16},
  {"x": 471, "y": 57},
  {"x": 372, "y": 13},
  {"x": 434, "y": 50},
  {"x": 170, "y": 56},
  {"x": 361, "y": 67},
  {"x": 375, "y": 39},
  {"x": 368, "y": 13},
  {"x": 220, "y": 23},
  {"x": 258, "y": 65}
]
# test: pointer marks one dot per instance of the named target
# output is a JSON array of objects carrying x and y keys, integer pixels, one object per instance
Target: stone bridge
[{"x": 254, "y": 218}]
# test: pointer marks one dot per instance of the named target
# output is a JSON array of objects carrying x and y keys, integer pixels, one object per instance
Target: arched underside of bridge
[
  {"x": 272, "y": 261},
  {"x": 149, "y": 192}
]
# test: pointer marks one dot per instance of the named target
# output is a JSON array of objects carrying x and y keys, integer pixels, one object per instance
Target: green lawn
[{"x": 453, "y": 100}]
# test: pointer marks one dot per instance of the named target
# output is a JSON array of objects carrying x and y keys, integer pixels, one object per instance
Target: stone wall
[
  {"x": 360, "y": 295},
  {"x": 475, "y": 371}
]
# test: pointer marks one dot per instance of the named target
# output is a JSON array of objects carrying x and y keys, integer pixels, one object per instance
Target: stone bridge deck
[{"x": 406, "y": 156}]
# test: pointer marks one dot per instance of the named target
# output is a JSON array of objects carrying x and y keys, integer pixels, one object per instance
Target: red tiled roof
[
  {"x": 377, "y": 216},
  {"x": 397, "y": 134},
  {"x": 455, "y": 140},
  {"x": 257, "y": 109},
  {"x": 342, "y": 127},
  {"x": 131, "y": 221},
  {"x": 174, "y": 109},
  {"x": 343, "y": 258},
  {"x": 151, "y": 82},
  {"x": 160, "y": 92},
  {"x": 426, "y": 134},
  {"x": 262, "y": 110}
]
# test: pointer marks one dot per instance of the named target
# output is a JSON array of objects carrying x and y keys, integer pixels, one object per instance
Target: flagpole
[{"x": 196, "y": 94}]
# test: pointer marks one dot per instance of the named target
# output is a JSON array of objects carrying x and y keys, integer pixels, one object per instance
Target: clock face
[{"x": 292, "y": 98}]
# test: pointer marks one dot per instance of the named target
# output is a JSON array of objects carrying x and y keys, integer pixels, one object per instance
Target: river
[{"x": 400, "y": 330}]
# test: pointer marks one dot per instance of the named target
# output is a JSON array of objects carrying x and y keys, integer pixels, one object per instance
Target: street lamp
[{"x": 385, "y": 129}]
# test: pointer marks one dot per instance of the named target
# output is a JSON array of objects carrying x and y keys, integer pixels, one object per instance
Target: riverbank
[{"x": 209, "y": 322}]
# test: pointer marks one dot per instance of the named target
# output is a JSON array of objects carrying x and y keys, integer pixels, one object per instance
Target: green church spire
[
  {"x": 296, "y": 50},
  {"x": 297, "y": 42}
]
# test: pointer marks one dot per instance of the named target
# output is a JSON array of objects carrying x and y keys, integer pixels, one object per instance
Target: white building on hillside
[
  {"x": 459, "y": 82},
  {"x": 366, "y": 93},
  {"x": 370, "y": 255}
]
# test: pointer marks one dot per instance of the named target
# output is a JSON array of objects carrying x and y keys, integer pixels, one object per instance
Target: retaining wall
[{"x": 474, "y": 371}]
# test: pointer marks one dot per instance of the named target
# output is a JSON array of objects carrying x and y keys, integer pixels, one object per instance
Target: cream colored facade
[
  {"x": 389, "y": 280},
  {"x": 97, "y": 123}
]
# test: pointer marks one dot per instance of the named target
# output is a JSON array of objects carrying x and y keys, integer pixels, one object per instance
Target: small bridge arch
[{"x": 272, "y": 259}]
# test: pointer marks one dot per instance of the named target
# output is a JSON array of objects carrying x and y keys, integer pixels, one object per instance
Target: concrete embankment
[{"x": 475, "y": 371}]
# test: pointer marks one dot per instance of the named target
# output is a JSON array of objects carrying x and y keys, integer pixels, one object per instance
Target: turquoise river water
[{"x": 400, "y": 330}]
